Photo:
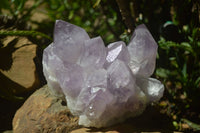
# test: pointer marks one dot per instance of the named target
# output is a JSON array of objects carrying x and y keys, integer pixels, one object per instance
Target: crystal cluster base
[{"x": 102, "y": 85}]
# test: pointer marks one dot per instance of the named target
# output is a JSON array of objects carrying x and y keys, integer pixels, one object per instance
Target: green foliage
[
  {"x": 19, "y": 5},
  {"x": 4, "y": 5},
  {"x": 101, "y": 20},
  {"x": 17, "y": 8},
  {"x": 183, "y": 60},
  {"x": 96, "y": 3},
  {"x": 179, "y": 64}
]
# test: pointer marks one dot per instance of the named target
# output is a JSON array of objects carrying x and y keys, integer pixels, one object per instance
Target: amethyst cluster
[{"x": 102, "y": 85}]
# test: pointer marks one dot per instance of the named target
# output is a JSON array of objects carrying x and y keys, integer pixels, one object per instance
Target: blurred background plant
[{"x": 175, "y": 25}]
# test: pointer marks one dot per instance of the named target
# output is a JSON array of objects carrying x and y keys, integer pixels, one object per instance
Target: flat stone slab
[{"x": 18, "y": 69}]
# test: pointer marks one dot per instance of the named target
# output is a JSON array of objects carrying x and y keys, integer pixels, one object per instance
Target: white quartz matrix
[{"x": 102, "y": 85}]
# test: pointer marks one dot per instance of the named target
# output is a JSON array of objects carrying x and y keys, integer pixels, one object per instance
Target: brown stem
[{"x": 126, "y": 14}]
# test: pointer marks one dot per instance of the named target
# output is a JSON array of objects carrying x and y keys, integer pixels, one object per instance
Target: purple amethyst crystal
[
  {"x": 102, "y": 85},
  {"x": 142, "y": 49}
]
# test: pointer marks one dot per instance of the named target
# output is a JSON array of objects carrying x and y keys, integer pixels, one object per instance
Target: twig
[
  {"x": 126, "y": 14},
  {"x": 24, "y": 33}
]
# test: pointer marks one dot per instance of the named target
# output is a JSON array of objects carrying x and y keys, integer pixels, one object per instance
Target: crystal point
[
  {"x": 117, "y": 50},
  {"x": 121, "y": 80},
  {"x": 102, "y": 85},
  {"x": 143, "y": 50},
  {"x": 94, "y": 53},
  {"x": 151, "y": 87},
  {"x": 69, "y": 40},
  {"x": 50, "y": 60}
]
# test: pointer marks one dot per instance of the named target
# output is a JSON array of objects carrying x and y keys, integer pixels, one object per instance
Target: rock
[
  {"x": 18, "y": 70},
  {"x": 85, "y": 130},
  {"x": 8, "y": 131},
  {"x": 43, "y": 112}
]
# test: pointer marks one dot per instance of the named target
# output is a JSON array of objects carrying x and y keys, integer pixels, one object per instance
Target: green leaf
[
  {"x": 110, "y": 37},
  {"x": 96, "y": 3},
  {"x": 186, "y": 46},
  {"x": 24, "y": 33},
  {"x": 198, "y": 44},
  {"x": 61, "y": 8},
  {"x": 193, "y": 125},
  {"x": 184, "y": 70},
  {"x": 163, "y": 73},
  {"x": 19, "y": 5},
  {"x": 4, "y": 5},
  {"x": 175, "y": 124},
  {"x": 190, "y": 38},
  {"x": 71, "y": 14},
  {"x": 197, "y": 82}
]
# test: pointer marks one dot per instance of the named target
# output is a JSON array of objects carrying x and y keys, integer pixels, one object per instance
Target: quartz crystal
[
  {"x": 102, "y": 85},
  {"x": 142, "y": 49}
]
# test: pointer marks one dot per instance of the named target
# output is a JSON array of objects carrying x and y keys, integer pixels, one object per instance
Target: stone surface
[
  {"x": 43, "y": 112},
  {"x": 18, "y": 69},
  {"x": 102, "y": 85}
]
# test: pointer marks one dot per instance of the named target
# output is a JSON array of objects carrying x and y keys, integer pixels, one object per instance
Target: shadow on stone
[
  {"x": 6, "y": 55},
  {"x": 150, "y": 121},
  {"x": 19, "y": 75}
]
